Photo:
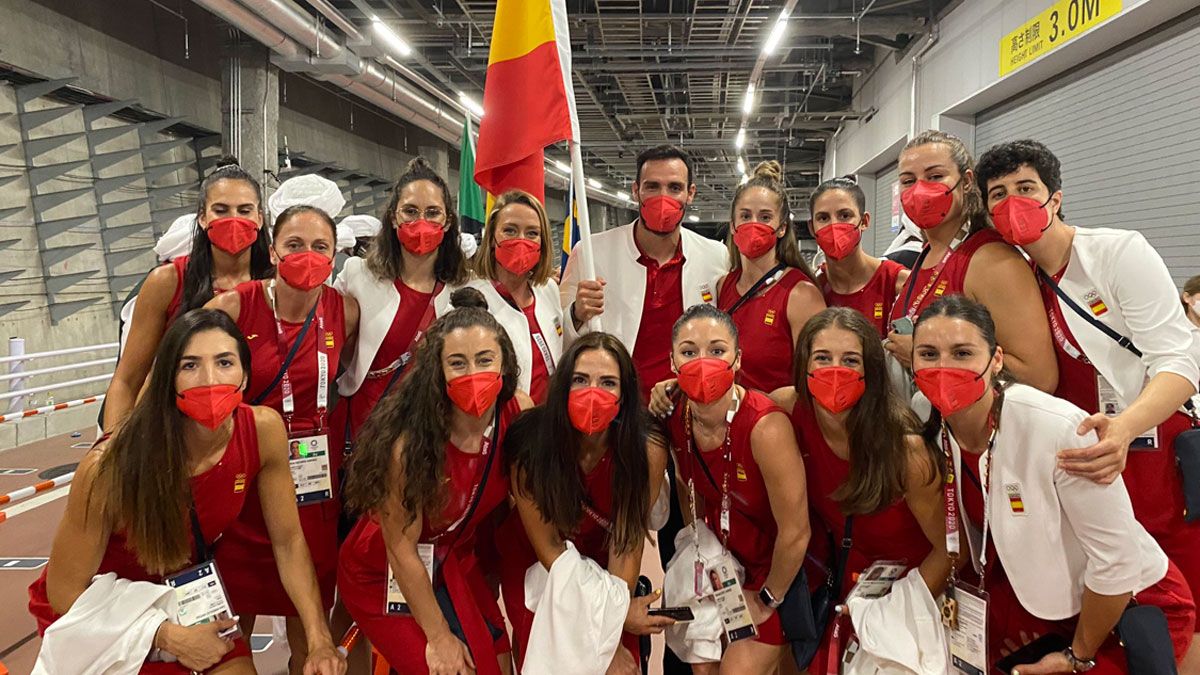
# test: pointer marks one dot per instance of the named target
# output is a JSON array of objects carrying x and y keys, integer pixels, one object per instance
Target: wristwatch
[
  {"x": 1078, "y": 665},
  {"x": 768, "y": 599}
]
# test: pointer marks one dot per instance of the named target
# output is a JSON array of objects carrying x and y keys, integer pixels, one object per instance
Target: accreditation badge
[
  {"x": 395, "y": 602},
  {"x": 308, "y": 459}
]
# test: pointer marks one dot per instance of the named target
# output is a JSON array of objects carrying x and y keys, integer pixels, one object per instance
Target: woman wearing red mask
[
  {"x": 514, "y": 268},
  {"x": 740, "y": 472},
  {"x": 769, "y": 290},
  {"x": 189, "y": 444},
  {"x": 230, "y": 246},
  {"x": 427, "y": 470},
  {"x": 1058, "y": 553},
  {"x": 585, "y": 468},
  {"x": 872, "y": 480},
  {"x": 297, "y": 329},
  {"x": 402, "y": 285},
  {"x": 850, "y": 277},
  {"x": 1117, "y": 278},
  {"x": 963, "y": 256}
]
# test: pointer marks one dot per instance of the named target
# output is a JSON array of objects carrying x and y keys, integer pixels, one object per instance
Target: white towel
[
  {"x": 900, "y": 633},
  {"x": 697, "y": 641}
]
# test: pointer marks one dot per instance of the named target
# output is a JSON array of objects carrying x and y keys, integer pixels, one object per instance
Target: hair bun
[
  {"x": 227, "y": 160},
  {"x": 468, "y": 297},
  {"x": 770, "y": 169},
  {"x": 417, "y": 163}
]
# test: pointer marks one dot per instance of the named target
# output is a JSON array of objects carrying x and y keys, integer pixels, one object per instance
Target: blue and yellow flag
[{"x": 570, "y": 228}]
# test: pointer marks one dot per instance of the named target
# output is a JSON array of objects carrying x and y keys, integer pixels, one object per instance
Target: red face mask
[
  {"x": 951, "y": 389},
  {"x": 518, "y": 256},
  {"x": 927, "y": 203},
  {"x": 838, "y": 240},
  {"x": 1020, "y": 219},
  {"x": 592, "y": 409},
  {"x": 232, "y": 235},
  {"x": 474, "y": 394},
  {"x": 661, "y": 214},
  {"x": 705, "y": 380},
  {"x": 305, "y": 271},
  {"x": 754, "y": 239},
  {"x": 420, "y": 237},
  {"x": 209, "y": 405},
  {"x": 836, "y": 388}
]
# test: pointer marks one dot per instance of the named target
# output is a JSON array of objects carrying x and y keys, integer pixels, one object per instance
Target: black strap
[
  {"x": 762, "y": 281},
  {"x": 841, "y": 557},
  {"x": 198, "y": 534},
  {"x": 912, "y": 278},
  {"x": 1087, "y": 316},
  {"x": 704, "y": 465},
  {"x": 262, "y": 396},
  {"x": 493, "y": 450}
]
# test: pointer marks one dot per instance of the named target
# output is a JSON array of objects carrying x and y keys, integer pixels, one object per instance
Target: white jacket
[
  {"x": 1056, "y": 533},
  {"x": 378, "y": 302},
  {"x": 1120, "y": 269},
  {"x": 109, "y": 630},
  {"x": 578, "y": 610},
  {"x": 698, "y": 641},
  {"x": 616, "y": 257},
  {"x": 549, "y": 315},
  {"x": 900, "y": 633}
]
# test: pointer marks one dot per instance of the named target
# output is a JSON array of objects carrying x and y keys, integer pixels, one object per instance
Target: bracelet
[{"x": 1078, "y": 665}]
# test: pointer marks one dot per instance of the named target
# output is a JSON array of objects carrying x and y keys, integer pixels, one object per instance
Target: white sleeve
[
  {"x": 567, "y": 288},
  {"x": 1149, "y": 301}
]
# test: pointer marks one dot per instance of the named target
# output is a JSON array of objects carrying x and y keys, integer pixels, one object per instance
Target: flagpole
[{"x": 585, "y": 225}]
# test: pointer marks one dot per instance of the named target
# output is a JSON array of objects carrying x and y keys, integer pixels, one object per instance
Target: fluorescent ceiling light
[
  {"x": 389, "y": 36},
  {"x": 694, "y": 218},
  {"x": 595, "y": 183},
  {"x": 624, "y": 196},
  {"x": 562, "y": 166},
  {"x": 740, "y": 141},
  {"x": 741, "y": 165},
  {"x": 777, "y": 32},
  {"x": 748, "y": 103},
  {"x": 470, "y": 104}
]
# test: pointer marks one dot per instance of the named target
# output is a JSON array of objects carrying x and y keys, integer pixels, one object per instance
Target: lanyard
[
  {"x": 198, "y": 534},
  {"x": 937, "y": 272},
  {"x": 953, "y": 547},
  {"x": 285, "y": 381},
  {"x": 485, "y": 447},
  {"x": 774, "y": 274},
  {"x": 694, "y": 456},
  {"x": 1060, "y": 335},
  {"x": 604, "y": 523},
  {"x": 402, "y": 361},
  {"x": 535, "y": 329}
]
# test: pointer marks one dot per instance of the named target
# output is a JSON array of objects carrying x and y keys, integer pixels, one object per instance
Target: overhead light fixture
[
  {"x": 562, "y": 166},
  {"x": 741, "y": 165},
  {"x": 623, "y": 196},
  {"x": 777, "y": 32},
  {"x": 389, "y": 36},
  {"x": 748, "y": 103},
  {"x": 740, "y": 141},
  {"x": 694, "y": 218},
  {"x": 595, "y": 183},
  {"x": 470, "y": 104}
]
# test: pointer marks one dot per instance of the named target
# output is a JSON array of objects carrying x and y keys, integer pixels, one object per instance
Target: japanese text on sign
[{"x": 1045, "y": 32}]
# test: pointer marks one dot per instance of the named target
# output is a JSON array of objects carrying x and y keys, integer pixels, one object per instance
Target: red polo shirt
[{"x": 662, "y": 307}]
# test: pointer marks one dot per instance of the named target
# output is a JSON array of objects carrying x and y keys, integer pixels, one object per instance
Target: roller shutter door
[
  {"x": 881, "y": 234},
  {"x": 1127, "y": 130}
]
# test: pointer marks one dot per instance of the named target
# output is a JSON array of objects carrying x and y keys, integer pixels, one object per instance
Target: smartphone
[
  {"x": 680, "y": 614},
  {"x": 1033, "y": 652},
  {"x": 903, "y": 325}
]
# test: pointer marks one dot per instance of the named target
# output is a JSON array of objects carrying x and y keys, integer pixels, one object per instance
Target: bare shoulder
[
  {"x": 523, "y": 400},
  {"x": 160, "y": 285},
  {"x": 921, "y": 470},
  {"x": 272, "y": 435}
]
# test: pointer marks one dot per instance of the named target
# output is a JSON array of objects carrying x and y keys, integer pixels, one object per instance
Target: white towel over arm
[{"x": 900, "y": 633}]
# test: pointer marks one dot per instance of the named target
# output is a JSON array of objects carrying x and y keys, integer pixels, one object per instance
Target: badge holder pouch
[
  {"x": 200, "y": 593},
  {"x": 731, "y": 601},
  {"x": 312, "y": 473},
  {"x": 965, "y": 611}
]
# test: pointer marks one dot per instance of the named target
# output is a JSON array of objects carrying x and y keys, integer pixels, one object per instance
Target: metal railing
[{"x": 17, "y": 377}]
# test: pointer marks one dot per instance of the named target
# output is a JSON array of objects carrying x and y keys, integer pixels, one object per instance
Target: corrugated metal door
[
  {"x": 1127, "y": 130},
  {"x": 881, "y": 234}
]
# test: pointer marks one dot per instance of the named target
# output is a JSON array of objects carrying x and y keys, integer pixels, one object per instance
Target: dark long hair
[
  {"x": 416, "y": 411},
  {"x": 974, "y": 313},
  {"x": 543, "y": 447},
  {"x": 384, "y": 257},
  {"x": 877, "y": 426},
  {"x": 197, "y": 277},
  {"x": 143, "y": 475}
]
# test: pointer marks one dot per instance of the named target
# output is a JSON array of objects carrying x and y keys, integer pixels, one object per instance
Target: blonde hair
[
  {"x": 769, "y": 175},
  {"x": 973, "y": 211},
  {"x": 485, "y": 262}
]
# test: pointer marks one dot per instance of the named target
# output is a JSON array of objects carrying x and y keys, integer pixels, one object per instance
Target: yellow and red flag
[{"x": 528, "y": 101}]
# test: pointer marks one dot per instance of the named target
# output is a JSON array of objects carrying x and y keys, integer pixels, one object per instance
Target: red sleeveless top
[
  {"x": 1076, "y": 376},
  {"x": 764, "y": 333},
  {"x": 752, "y": 525},
  {"x": 891, "y": 533},
  {"x": 180, "y": 265},
  {"x": 219, "y": 494},
  {"x": 257, "y": 321},
  {"x": 874, "y": 300},
  {"x": 399, "y": 339},
  {"x": 950, "y": 281}
]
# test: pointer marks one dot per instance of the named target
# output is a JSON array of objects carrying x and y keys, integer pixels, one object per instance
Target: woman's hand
[
  {"x": 1103, "y": 462},
  {"x": 623, "y": 663},
  {"x": 589, "y": 301},
  {"x": 324, "y": 660},
  {"x": 445, "y": 654},
  {"x": 1055, "y": 662},
  {"x": 198, "y": 647},
  {"x": 900, "y": 346},
  {"x": 638, "y": 620},
  {"x": 661, "y": 404}
]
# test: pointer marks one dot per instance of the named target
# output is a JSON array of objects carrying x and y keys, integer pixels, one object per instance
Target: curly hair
[
  {"x": 1001, "y": 160},
  {"x": 413, "y": 415}
]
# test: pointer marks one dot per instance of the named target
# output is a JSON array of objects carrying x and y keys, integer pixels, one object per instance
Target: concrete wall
[{"x": 959, "y": 76}]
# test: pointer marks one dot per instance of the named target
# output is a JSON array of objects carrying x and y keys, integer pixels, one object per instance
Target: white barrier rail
[
  {"x": 57, "y": 385},
  {"x": 12, "y": 417},
  {"x": 58, "y": 352},
  {"x": 57, "y": 369},
  {"x": 16, "y": 377}
]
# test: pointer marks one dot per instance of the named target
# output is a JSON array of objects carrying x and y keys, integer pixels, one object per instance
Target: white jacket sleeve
[
  {"x": 579, "y": 610},
  {"x": 1149, "y": 301}
]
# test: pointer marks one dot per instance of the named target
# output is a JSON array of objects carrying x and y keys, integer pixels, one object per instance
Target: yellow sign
[{"x": 1061, "y": 22}]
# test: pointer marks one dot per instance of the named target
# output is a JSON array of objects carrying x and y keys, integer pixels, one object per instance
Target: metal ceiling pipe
[
  {"x": 298, "y": 24},
  {"x": 254, "y": 26},
  {"x": 336, "y": 18}
]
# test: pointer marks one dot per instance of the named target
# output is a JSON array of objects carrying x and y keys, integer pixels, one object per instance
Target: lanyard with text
[
  {"x": 285, "y": 381},
  {"x": 485, "y": 448},
  {"x": 774, "y": 274},
  {"x": 953, "y": 529},
  {"x": 694, "y": 458},
  {"x": 912, "y": 312},
  {"x": 535, "y": 329},
  {"x": 1060, "y": 335}
]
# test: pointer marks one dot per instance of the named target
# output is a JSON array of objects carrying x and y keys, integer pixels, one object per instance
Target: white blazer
[
  {"x": 549, "y": 314},
  {"x": 1120, "y": 269},
  {"x": 378, "y": 302},
  {"x": 616, "y": 257},
  {"x": 1056, "y": 533}
]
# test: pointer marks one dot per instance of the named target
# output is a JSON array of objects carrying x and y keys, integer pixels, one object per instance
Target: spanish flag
[{"x": 527, "y": 97}]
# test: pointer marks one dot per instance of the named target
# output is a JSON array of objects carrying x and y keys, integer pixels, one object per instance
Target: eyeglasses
[{"x": 411, "y": 213}]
